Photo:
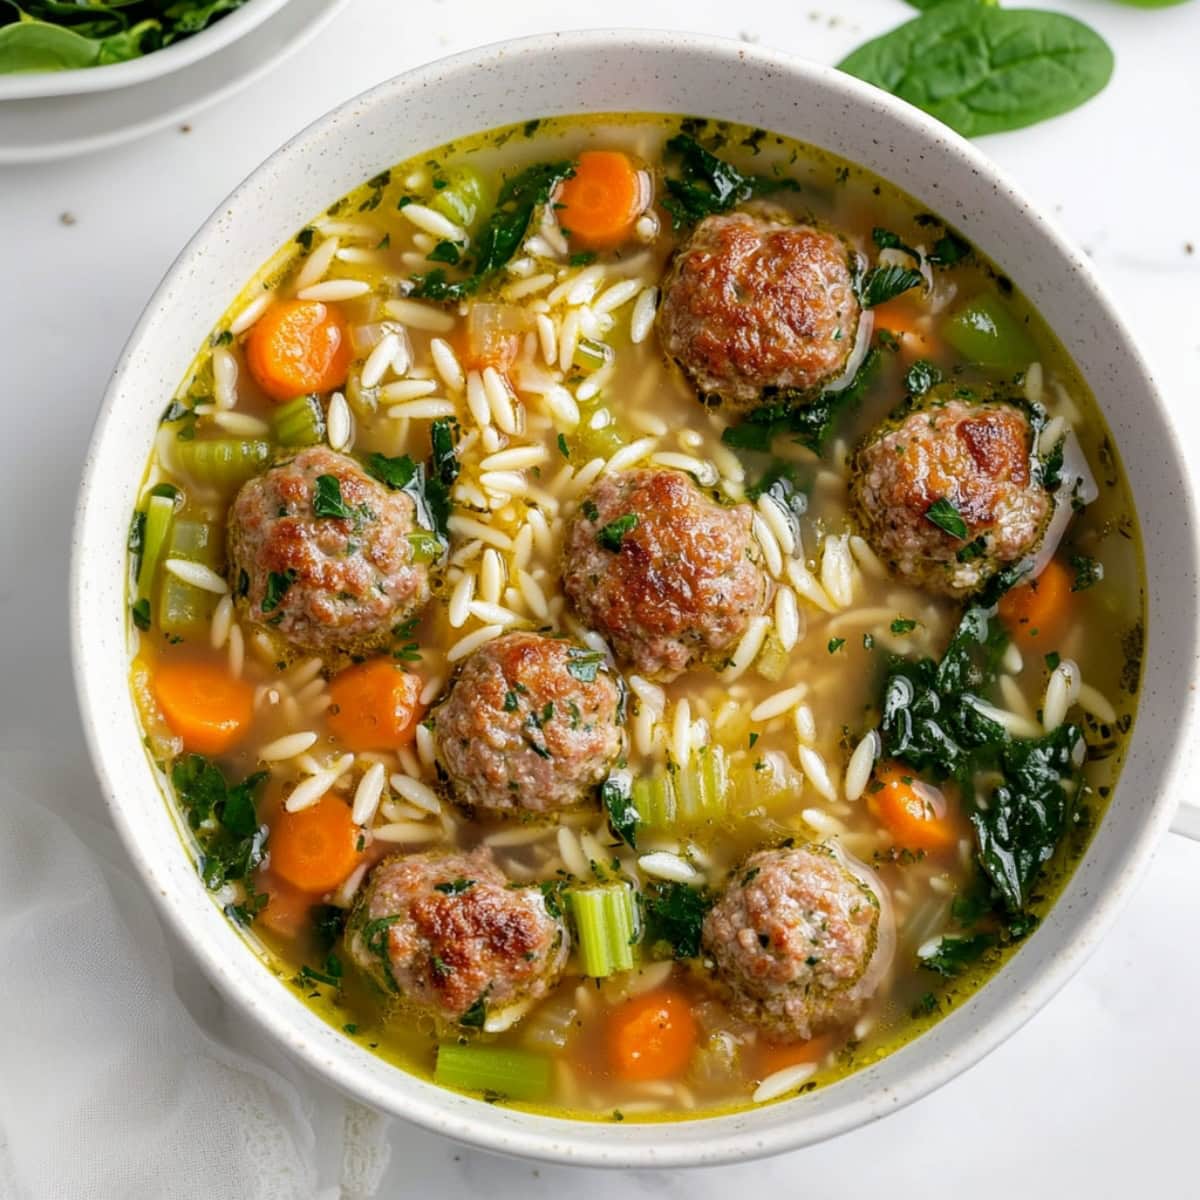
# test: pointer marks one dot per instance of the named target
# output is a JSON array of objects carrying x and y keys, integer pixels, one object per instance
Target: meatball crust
[
  {"x": 326, "y": 584},
  {"x": 752, "y": 304},
  {"x": 685, "y": 581},
  {"x": 444, "y": 932},
  {"x": 978, "y": 457},
  {"x": 792, "y": 937},
  {"x": 531, "y": 725}
]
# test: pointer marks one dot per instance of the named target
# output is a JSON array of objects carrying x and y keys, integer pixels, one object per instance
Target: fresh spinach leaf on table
[{"x": 984, "y": 69}]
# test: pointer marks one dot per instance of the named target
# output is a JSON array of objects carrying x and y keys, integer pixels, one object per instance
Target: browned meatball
[
  {"x": 450, "y": 936},
  {"x": 951, "y": 459},
  {"x": 792, "y": 937},
  {"x": 326, "y": 583},
  {"x": 532, "y": 724},
  {"x": 752, "y": 304},
  {"x": 681, "y": 584}
]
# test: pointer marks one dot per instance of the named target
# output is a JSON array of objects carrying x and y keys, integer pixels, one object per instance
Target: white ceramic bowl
[
  {"x": 561, "y": 74},
  {"x": 221, "y": 33}
]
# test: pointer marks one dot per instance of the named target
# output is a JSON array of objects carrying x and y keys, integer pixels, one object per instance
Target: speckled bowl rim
[{"x": 643, "y": 70}]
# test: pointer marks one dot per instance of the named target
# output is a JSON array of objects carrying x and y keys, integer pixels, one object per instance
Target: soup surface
[{"x": 636, "y": 616}]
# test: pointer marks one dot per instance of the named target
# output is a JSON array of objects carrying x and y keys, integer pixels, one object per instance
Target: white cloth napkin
[{"x": 110, "y": 1086}]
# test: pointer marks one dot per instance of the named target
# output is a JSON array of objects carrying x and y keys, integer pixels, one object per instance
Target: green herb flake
[
  {"x": 623, "y": 816},
  {"x": 454, "y": 887},
  {"x": 277, "y": 587},
  {"x": 327, "y": 499},
  {"x": 835, "y": 644},
  {"x": 395, "y": 473},
  {"x": 674, "y": 914},
  {"x": 946, "y": 517},
  {"x": 613, "y": 534},
  {"x": 1088, "y": 572}
]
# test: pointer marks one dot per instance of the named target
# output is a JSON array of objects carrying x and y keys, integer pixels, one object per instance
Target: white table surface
[{"x": 1097, "y": 1096}]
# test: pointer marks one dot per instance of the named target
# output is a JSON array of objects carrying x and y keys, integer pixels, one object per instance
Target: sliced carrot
[
  {"x": 773, "y": 1056},
  {"x": 901, "y": 318},
  {"x": 376, "y": 706},
  {"x": 907, "y": 815},
  {"x": 287, "y": 909},
  {"x": 298, "y": 346},
  {"x": 601, "y": 201},
  {"x": 316, "y": 848},
  {"x": 204, "y": 705},
  {"x": 651, "y": 1036},
  {"x": 1035, "y": 612}
]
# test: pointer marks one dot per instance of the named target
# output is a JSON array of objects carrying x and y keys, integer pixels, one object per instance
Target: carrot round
[
  {"x": 376, "y": 706},
  {"x": 204, "y": 705},
  {"x": 316, "y": 848},
  {"x": 774, "y": 1057},
  {"x": 601, "y": 201},
  {"x": 1035, "y": 612},
  {"x": 907, "y": 815},
  {"x": 298, "y": 346},
  {"x": 651, "y": 1036}
]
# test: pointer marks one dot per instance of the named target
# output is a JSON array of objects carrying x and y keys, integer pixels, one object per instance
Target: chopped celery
[
  {"x": 184, "y": 610},
  {"x": 700, "y": 787},
  {"x": 597, "y": 436},
  {"x": 160, "y": 513},
  {"x": 299, "y": 422},
  {"x": 984, "y": 331},
  {"x": 591, "y": 355},
  {"x": 517, "y": 1074},
  {"x": 464, "y": 198},
  {"x": 604, "y": 922},
  {"x": 223, "y": 463},
  {"x": 427, "y": 547},
  {"x": 654, "y": 799},
  {"x": 692, "y": 795},
  {"x": 772, "y": 659}
]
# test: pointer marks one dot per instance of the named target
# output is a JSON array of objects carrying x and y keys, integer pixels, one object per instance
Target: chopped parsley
[
  {"x": 903, "y": 625},
  {"x": 613, "y": 534},
  {"x": 277, "y": 587},
  {"x": 1088, "y": 572},
  {"x": 454, "y": 887},
  {"x": 141, "y": 614},
  {"x": 674, "y": 914},
  {"x": 583, "y": 663},
  {"x": 946, "y": 517},
  {"x": 327, "y": 499},
  {"x": 396, "y": 473},
  {"x": 623, "y": 816},
  {"x": 921, "y": 376},
  {"x": 835, "y": 644}
]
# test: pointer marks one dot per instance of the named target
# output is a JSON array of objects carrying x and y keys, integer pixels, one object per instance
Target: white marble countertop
[{"x": 1096, "y": 1096}]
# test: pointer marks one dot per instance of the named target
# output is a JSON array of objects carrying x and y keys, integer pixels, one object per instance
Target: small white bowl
[
  {"x": 222, "y": 32},
  {"x": 655, "y": 72}
]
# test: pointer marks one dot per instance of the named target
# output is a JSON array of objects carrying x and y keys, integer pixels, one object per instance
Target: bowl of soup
[{"x": 633, "y": 603}]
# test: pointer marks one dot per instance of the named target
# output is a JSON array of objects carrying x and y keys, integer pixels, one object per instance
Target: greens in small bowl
[{"x": 56, "y": 47}]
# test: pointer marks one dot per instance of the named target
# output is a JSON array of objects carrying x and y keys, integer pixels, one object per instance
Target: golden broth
[{"x": 832, "y": 675}]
